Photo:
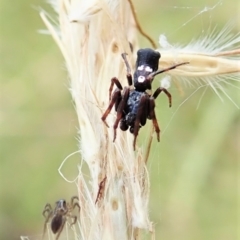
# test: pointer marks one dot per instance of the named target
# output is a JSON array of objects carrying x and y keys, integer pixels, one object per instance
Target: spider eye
[
  {"x": 148, "y": 69},
  {"x": 141, "y": 79},
  {"x": 140, "y": 68}
]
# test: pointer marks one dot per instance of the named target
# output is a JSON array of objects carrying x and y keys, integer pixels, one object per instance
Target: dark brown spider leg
[
  {"x": 115, "y": 81},
  {"x": 139, "y": 116},
  {"x": 115, "y": 97},
  {"x": 129, "y": 75},
  {"x": 159, "y": 90},
  {"x": 152, "y": 116},
  {"x": 120, "y": 109},
  {"x": 61, "y": 228},
  {"x": 152, "y": 75},
  {"x": 145, "y": 114}
]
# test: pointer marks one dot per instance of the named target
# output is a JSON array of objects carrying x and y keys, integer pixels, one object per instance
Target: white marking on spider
[
  {"x": 148, "y": 69},
  {"x": 140, "y": 67},
  {"x": 141, "y": 79}
]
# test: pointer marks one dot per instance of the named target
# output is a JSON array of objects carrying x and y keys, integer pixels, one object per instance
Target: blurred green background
[{"x": 194, "y": 171}]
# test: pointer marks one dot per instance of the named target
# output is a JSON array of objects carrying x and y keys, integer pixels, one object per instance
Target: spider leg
[
  {"x": 49, "y": 211},
  {"x": 120, "y": 110},
  {"x": 145, "y": 113},
  {"x": 115, "y": 81},
  {"x": 152, "y": 116},
  {"x": 72, "y": 200},
  {"x": 129, "y": 75},
  {"x": 74, "y": 219},
  {"x": 140, "y": 117},
  {"x": 115, "y": 98},
  {"x": 152, "y": 75},
  {"x": 159, "y": 90},
  {"x": 73, "y": 204},
  {"x": 76, "y": 204}
]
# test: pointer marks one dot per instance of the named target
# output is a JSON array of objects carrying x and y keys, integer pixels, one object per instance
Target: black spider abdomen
[
  {"x": 132, "y": 108},
  {"x": 133, "y": 101}
]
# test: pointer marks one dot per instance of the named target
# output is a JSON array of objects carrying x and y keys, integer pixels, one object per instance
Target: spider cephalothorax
[
  {"x": 59, "y": 215},
  {"x": 135, "y": 106},
  {"x": 147, "y": 63}
]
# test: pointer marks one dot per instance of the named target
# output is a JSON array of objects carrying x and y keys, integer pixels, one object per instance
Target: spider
[
  {"x": 133, "y": 104},
  {"x": 59, "y": 215}
]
